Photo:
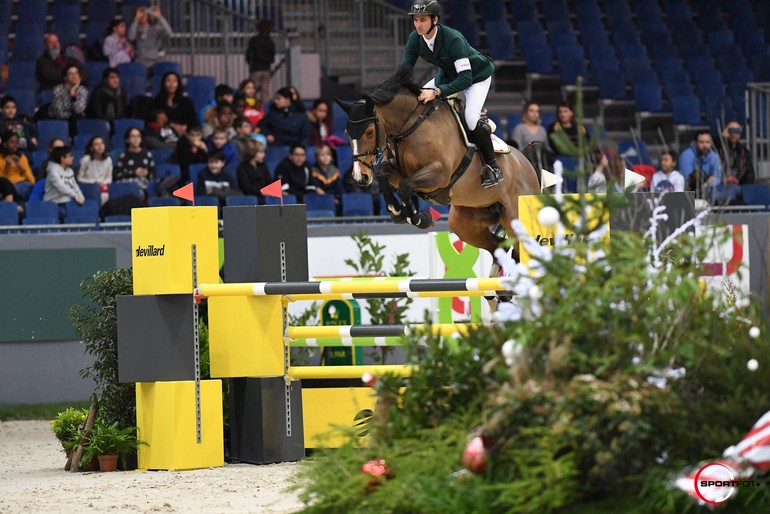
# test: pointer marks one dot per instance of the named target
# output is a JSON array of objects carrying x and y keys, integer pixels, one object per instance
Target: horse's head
[{"x": 363, "y": 130}]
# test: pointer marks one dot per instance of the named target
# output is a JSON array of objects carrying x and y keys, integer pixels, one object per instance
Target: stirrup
[{"x": 490, "y": 176}]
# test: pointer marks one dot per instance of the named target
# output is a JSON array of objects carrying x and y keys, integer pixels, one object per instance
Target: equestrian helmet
[{"x": 425, "y": 8}]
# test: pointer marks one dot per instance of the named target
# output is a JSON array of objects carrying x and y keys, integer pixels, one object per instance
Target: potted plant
[
  {"x": 108, "y": 442},
  {"x": 66, "y": 427}
]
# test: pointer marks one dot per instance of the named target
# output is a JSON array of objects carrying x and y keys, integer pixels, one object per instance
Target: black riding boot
[{"x": 490, "y": 173}]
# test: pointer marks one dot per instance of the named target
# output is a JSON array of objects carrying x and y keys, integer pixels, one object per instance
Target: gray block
[
  {"x": 679, "y": 207},
  {"x": 155, "y": 338},
  {"x": 258, "y": 421},
  {"x": 253, "y": 243}
]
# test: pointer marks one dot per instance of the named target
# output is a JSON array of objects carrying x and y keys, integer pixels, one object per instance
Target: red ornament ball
[
  {"x": 475, "y": 456},
  {"x": 376, "y": 471}
]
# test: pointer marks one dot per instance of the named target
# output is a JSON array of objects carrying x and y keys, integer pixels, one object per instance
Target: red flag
[
  {"x": 273, "y": 189},
  {"x": 434, "y": 214},
  {"x": 186, "y": 193}
]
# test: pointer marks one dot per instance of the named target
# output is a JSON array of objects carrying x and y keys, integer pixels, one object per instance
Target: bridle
[{"x": 391, "y": 143}]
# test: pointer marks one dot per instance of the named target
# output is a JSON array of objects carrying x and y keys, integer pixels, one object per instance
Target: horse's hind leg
[{"x": 472, "y": 226}]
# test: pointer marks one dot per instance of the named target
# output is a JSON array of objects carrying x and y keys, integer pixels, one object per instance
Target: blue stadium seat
[
  {"x": 555, "y": 10},
  {"x": 539, "y": 59},
  {"x": 612, "y": 85},
  {"x": 69, "y": 33},
  {"x": 206, "y": 200},
  {"x": 756, "y": 194},
  {"x": 194, "y": 170},
  {"x": 648, "y": 97},
  {"x": 91, "y": 192},
  {"x": 344, "y": 157},
  {"x": 357, "y": 204},
  {"x": 241, "y": 200},
  {"x": 200, "y": 89},
  {"x": 492, "y": 10},
  {"x": 634, "y": 152},
  {"x": 117, "y": 218},
  {"x": 602, "y": 58},
  {"x": 32, "y": 10},
  {"x": 123, "y": 124},
  {"x": 94, "y": 126},
  {"x": 686, "y": 110},
  {"x": 120, "y": 189},
  {"x": 161, "y": 155},
  {"x": 95, "y": 70},
  {"x": 86, "y": 213},
  {"x": 500, "y": 37},
  {"x": 321, "y": 206},
  {"x": 132, "y": 69},
  {"x": 42, "y": 209},
  {"x": 9, "y": 214},
  {"x": 572, "y": 64},
  {"x": 678, "y": 11},
  {"x": 101, "y": 12},
  {"x": 166, "y": 201},
  {"x": 49, "y": 129},
  {"x": 287, "y": 200},
  {"x": 134, "y": 86},
  {"x": 165, "y": 169},
  {"x": 530, "y": 33},
  {"x": 21, "y": 75}
]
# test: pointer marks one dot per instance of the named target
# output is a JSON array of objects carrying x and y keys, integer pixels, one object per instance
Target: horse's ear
[
  {"x": 369, "y": 105},
  {"x": 345, "y": 106}
]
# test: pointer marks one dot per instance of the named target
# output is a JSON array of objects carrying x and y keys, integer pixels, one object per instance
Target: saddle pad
[{"x": 499, "y": 145}]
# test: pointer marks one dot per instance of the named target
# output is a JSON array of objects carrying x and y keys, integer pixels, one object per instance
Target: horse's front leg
[
  {"x": 428, "y": 178},
  {"x": 382, "y": 173}
]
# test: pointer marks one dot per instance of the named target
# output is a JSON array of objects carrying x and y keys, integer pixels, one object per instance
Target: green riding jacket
[{"x": 449, "y": 47}]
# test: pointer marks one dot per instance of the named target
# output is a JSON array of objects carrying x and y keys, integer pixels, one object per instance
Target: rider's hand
[{"x": 428, "y": 95}]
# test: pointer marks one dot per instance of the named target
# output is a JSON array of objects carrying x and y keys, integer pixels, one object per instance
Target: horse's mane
[{"x": 387, "y": 91}]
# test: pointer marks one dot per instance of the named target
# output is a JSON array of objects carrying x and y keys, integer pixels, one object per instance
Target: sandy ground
[{"x": 33, "y": 480}]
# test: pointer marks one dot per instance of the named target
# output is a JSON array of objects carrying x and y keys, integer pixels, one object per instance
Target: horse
[{"x": 412, "y": 147}]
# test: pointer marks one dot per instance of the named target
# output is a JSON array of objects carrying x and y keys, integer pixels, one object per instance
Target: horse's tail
[{"x": 540, "y": 156}]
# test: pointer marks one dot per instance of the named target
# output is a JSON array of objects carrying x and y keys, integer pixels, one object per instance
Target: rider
[{"x": 461, "y": 68}]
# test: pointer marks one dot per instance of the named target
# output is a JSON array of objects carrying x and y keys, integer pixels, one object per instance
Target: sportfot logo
[{"x": 150, "y": 251}]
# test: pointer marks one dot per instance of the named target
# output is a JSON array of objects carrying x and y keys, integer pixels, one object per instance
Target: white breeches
[{"x": 475, "y": 96}]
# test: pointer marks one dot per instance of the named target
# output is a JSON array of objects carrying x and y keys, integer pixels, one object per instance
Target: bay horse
[{"x": 415, "y": 148}]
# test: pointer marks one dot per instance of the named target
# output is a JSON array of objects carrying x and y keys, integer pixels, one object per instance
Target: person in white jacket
[
  {"x": 117, "y": 48},
  {"x": 60, "y": 185}
]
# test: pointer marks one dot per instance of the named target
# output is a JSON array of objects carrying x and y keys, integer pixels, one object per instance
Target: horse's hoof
[
  {"x": 398, "y": 219},
  {"x": 422, "y": 219}
]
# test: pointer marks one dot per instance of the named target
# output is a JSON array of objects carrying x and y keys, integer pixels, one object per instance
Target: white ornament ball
[
  {"x": 511, "y": 349},
  {"x": 752, "y": 365},
  {"x": 548, "y": 216},
  {"x": 535, "y": 293},
  {"x": 754, "y": 332}
]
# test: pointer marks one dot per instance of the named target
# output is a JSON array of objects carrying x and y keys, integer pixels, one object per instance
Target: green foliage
[
  {"x": 66, "y": 426},
  {"x": 369, "y": 262},
  {"x": 308, "y": 317},
  {"x": 110, "y": 440},
  {"x": 624, "y": 368},
  {"x": 96, "y": 324}
]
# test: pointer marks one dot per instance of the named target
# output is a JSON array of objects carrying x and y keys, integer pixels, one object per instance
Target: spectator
[
  {"x": 213, "y": 181},
  {"x": 253, "y": 109},
  {"x": 17, "y": 125},
  {"x": 108, "y": 99},
  {"x": 61, "y": 186},
  {"x": 700, "y": 163},
  {"x": 260, "y": 55},
  {"x": 217, "y": 141},
  {"x": 253, "y": 174},
  {"x": 294, "y": 173},
  {"x": 296, "y": 100},
  {"x": 171, "y": 99},
  {"x": 96, "y": 166},
  {"x": 322, "y": 125},
  {"x": 8, "y": 194},
  {"x": 42, "y": 172},
  {"x": 283, "y": 125},
  {"x": 135, "y": 163},
  {"x": 223, "y": 120},
  {"x": 117, "y": 48},
  {"x": 222, "y": 92},
  {"x": 667, "y": 178},
  {"x": 610, "y": 169},
  {"x": 147, "y": 31},
  {"x": 739, "y": 166},
  {"x": 158, "y": 133},
  {"x": 13, "y": 164},
  {"x": 326, "y": 175},
  {"x": 563, "y": 132},
  {"x": 50, "y": 67},
  {"x": 242, "y": 137},
  {"x": 69, "y": 99},
  {"x": 190, "y": 150},
  {"x": 530, "y": 129}
]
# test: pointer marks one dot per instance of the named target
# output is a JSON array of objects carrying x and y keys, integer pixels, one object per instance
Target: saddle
[{"x": 458, "y": 110}]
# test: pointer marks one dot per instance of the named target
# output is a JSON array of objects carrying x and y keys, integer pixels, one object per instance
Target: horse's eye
[{"x": 370, "y": 132}]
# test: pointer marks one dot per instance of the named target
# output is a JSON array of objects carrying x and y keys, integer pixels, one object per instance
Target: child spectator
[
  {"x": 13, "y": 164},
  {"x": 253, "y": 174},
  {"x": 158, "y": 133},
  {"x": 96, "y": 166},
  {"x": 171, "y": 99},
  {"x": 42, "y": 171},
  {"x": 17, "y": 125},
  {"x": 117, "y": 48},
  {"x": 294, "y": 173},
  {"x": 326, "y": 175},
  {"x": 242, "y": 136},
  {"x": 135, "y": 164},
  {"x": 69, "y": 99},
  {"x": 283, "y": 125},
  {"x": 667, "y": 178},
  {"x": 611, "y": 168},
  {"x": 147, "y": 31},
  {"x": 61, "y": 186},
  {"x": 253, "y": 110},
  {"x": 213, "y": 181},
  {"x": 108, "y": 99},
  {"x": 222, "y": 93},
  {"x": 223, "y": 119},
  {"x": 51, "y": 65},
  {"x": 218, "y": 141},
  {"x": 191, "y": 149}
]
